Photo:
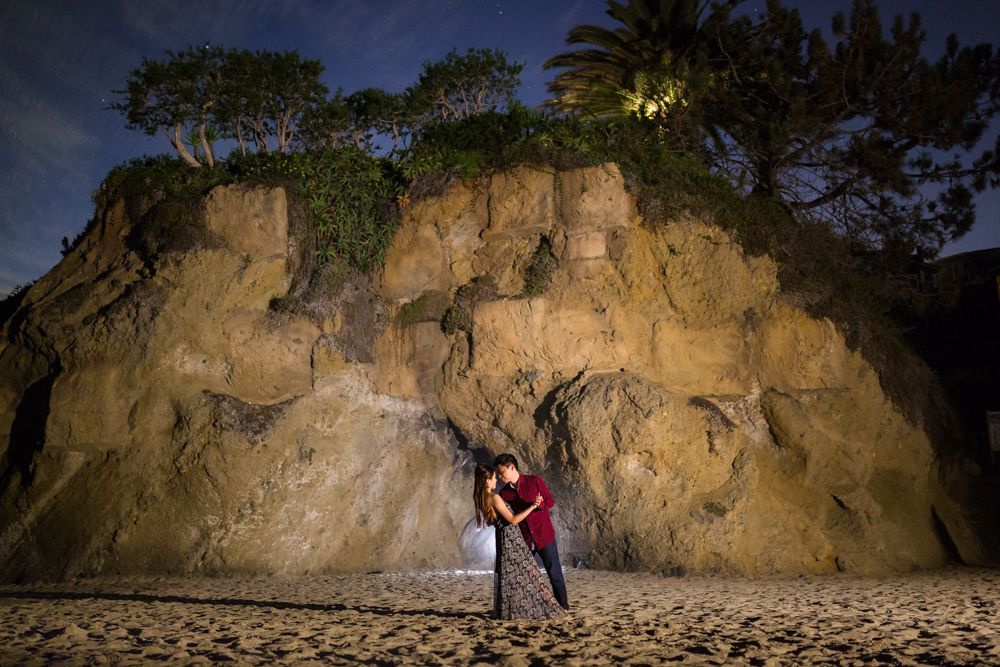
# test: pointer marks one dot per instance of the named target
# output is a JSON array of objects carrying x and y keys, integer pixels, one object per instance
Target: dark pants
[{"x": 550, "y": 559}]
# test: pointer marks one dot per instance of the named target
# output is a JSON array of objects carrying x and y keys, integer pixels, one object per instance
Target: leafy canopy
[
  {"x": 460, "y": 86},
  {"x": 653, "y": 66},
  {"x": 200, "y": 94},
  {"x": 864, "y": 133},
  {"x": 175, "y": 96}
]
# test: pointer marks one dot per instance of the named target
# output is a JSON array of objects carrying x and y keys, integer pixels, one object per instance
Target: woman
[{"x": 518, "y": 588}]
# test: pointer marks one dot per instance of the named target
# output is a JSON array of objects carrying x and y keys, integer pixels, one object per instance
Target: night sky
[{"x": 60, "y": 60}]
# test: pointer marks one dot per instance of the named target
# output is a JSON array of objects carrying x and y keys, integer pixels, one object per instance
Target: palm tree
[{"x": 645, "y": 68}]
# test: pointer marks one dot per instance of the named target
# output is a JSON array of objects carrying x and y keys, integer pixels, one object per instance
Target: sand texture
[{"x": 935, "y": 618}]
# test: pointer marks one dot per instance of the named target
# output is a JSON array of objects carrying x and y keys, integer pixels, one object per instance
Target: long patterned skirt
[{"x": 518, "y": 588}]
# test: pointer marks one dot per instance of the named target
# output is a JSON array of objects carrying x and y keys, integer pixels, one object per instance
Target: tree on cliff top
[
  {"x": 460, "y": 86},
  {"x": 455, "y": 88},
  {"x": 173, "y": 96},
  {"x": 199, "y": 94},
  {"x": 265, "y": 96},
  {"x": 867, "y": 135},
  {"x": 357, "y": 119},
  {"x": 652, "y": 67}
]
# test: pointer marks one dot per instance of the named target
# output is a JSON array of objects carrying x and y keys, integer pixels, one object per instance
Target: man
[{"x": 520, "y": 491}]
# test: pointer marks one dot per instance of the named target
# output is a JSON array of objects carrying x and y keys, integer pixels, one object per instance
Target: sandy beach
[{"x": 933, "y": 618}]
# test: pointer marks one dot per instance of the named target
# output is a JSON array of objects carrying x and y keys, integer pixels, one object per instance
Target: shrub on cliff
[
  {"x": 538, "y": 272},
  {"x": 493, "y": 140},
  {"x": 352, "y": 199},
  {"x": 163, "y": 196}
]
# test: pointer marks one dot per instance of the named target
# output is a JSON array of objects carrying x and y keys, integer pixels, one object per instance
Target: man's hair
[{"x": 506, "y": 460}]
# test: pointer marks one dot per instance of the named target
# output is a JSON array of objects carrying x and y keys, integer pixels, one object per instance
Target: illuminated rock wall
[{"x": 160, "y": 417}]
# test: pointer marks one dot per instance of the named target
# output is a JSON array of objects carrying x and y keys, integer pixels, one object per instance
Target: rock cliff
[{"x": 159, "y": 416}]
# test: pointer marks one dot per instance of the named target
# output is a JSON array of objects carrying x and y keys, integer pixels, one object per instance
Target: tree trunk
[
  {"x": 206, "y": 145},
  {"x": 765, "y": 177},
  {"x": 284, "y": 132},
  {"x": 446, "y": 108},
  {"x": 239, "y": 137},
  {"x": 179, "y": 146},
  {"x": 260, "y": 135}
]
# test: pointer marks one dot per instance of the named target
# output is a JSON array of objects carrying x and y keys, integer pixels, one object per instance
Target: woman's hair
[{"x": 485, "y": 514}]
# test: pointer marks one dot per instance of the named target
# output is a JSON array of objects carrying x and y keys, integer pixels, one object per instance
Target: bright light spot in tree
[{"x": 653, "y": 96}]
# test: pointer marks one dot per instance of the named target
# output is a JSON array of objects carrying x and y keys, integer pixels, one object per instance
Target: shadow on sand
[{"x": 239, "y": 602}]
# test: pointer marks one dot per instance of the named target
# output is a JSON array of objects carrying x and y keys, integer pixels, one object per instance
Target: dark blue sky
[{"x": 60, "y": 60}]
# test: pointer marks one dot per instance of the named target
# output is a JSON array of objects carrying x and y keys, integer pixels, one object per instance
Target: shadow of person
[{"x": 239, "y": 602}]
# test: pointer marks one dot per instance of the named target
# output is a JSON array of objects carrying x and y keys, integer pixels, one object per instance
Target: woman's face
[{"x": 491, "y": 482}]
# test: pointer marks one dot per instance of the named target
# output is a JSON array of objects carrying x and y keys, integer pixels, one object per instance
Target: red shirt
[{"x": 537, "y": 527}]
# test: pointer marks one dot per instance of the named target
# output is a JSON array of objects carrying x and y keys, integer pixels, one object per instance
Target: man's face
[{"x": 504, "y": 473}]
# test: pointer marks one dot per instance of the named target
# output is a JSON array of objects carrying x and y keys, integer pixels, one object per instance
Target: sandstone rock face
[
  {"x": 159, "y": 418},
  {"x": 174, "y": 426}
]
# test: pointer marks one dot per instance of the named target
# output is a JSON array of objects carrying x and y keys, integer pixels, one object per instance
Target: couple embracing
[{"x": 519, "y": 510}]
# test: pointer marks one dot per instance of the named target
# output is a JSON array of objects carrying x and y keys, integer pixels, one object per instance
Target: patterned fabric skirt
[{"x": 519, "y": 591}]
